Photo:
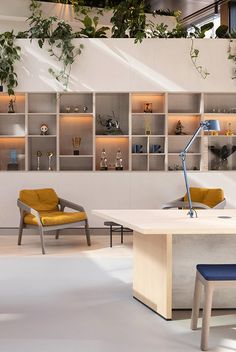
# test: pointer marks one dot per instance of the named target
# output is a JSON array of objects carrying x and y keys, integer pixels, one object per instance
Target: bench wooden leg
[
  {"x": 196, "y": 302},
  {"x": 208, "y": 292}
]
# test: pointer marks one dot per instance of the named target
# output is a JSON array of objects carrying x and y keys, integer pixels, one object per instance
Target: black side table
[{"x": 114, "y": 227}]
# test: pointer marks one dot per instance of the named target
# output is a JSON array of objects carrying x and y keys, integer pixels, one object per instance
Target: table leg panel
[{"x": 152, "y": 281}]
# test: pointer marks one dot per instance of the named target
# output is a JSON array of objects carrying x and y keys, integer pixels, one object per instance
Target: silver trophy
[
  {"x": 49, "y": 155},
  {"x": 39, "y": 154}
]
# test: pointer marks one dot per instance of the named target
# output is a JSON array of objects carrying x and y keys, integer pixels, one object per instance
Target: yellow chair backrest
[
  {"x": 44, "y": 199},
  {"x": 207, "y": 196}
]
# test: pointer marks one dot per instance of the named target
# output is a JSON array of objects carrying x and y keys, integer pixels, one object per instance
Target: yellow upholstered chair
[
  {"x": 42, "y": 208},
  {"x": 202, "y": 198}
]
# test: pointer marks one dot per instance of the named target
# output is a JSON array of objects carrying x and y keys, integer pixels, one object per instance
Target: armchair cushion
[
  {"x": 44, "y": 199},
  {"x": 52, "y": 218},
  {"x": 208, "y": 196}
]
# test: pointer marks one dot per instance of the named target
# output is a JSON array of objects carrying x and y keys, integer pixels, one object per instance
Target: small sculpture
[
  {"x": 103, "y": 161},
  {"x": 179, "y": 128},
  {"x": 112, "y": 126},
  {"x": 11, "y": 109},
  {"x": 68, "y": 109},
  {"x": 49, "y": 155},
  {"x": 147, "y": 107},
  {"x": 44, "y": 129},
  {"x": 39, "y": 154},
  {"x": 119, "y": 160},
  {"x": 85, "y": 109},
  {"x": 229, "y": 131},
  {"x": 76, "y": 144}
]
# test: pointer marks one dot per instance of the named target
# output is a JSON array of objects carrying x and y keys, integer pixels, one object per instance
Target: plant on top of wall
[
  {"x": 59, "y": 40},
  {"x": 9, "y": 54},
  {"x": 129, "y": 20}
]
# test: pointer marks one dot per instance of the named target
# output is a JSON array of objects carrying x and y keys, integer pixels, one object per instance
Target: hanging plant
[{"x": 9, "y": 54}]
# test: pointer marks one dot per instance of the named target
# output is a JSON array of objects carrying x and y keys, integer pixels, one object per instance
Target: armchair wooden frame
[
  {"x": 181, "y": 204},
  {"x": 24, "y": 209}
]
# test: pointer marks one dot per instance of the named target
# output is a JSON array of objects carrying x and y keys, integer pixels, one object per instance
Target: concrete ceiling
[{"x": 187, "y": 7}]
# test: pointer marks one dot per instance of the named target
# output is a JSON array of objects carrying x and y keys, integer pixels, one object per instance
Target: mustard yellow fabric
[
  {"x": 44, "y": 199},
  {"x": 208, "y": 196},
  {"x": 55, "y": 218}
]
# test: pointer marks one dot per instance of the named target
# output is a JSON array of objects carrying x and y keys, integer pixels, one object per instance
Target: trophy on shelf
[
  {"x": 11, "y": 104},
  {"x": 39, "y": 155},
  {"x": 103, "y": 161},
  {"x": 229, "y": 131},
  {"x": 49, "y": 155},
  {"x": 119, "y": 160},
  {"x": 76, "y": 144}
]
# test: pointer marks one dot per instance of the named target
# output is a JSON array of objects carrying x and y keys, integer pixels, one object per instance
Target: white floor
[{"x": 83, "y": 303}]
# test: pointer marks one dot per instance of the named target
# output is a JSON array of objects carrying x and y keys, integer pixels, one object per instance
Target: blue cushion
[{"x": 217, "y": 272}]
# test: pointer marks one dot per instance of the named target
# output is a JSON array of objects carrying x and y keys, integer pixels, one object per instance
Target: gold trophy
[{"x": 76, "y": 144}]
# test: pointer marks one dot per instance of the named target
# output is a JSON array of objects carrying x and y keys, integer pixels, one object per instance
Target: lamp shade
[{"x": 211, "y": 125}]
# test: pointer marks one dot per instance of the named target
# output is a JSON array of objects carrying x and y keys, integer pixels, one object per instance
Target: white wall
[{"x": 119, "y": 65}]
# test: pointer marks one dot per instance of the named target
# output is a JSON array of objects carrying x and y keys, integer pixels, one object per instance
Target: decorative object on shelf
[
  {"x": 229, "y": 131},
  {"x": 44, "y": 130},
  {"x": 207, "y": 125},
  {"x": 119, "y": 160},
  {"x": 39, "y": 155},
  {"x": 13, "y": 164},
  {"x": 147, "y": 107},
  {"x": 49, "y": 155},
  {"x": 179, "y": 128},
  {"x": 221, "y": 154},
  {"x": 77, "y": 109},
  {"x": 155, "y": 148},
  {"x": 11, "y": 104},
  {"x": 137, "y": 148},
  {"x": 85, "y": 108},
  {"x": 175, "y": 167},
  {"x": 232, "y": 110},
  {"x": 103, "y": 161},
  {"x": 68, "y": 108},
  {"x": 214, "y": 133},
  {"x": 76, "y": 141},
  {"x": 112, "y": 125},
  {"x": 148, "y": 125}
]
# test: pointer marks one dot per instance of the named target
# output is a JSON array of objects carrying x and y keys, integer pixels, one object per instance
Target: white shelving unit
[{"x": 145, "y": 132}]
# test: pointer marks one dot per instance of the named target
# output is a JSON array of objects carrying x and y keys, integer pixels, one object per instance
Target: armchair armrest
[
  {"x": 220, "y": 205},
  {"x": 65, "y": 203},
  {"x": 27, "y": 209}
]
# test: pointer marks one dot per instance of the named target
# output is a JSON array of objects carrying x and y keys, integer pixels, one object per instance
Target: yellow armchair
[
  {"x": 202, "y": 198},
  {"x": 42, "y": 208}
]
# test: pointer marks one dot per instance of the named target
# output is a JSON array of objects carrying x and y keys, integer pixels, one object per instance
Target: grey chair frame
[
  {"x": 181, "y": 204},
  {"x": 24, "y": 209}
]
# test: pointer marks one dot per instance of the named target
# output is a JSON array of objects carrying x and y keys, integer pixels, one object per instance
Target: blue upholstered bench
[{"x": 210, "y": 276}]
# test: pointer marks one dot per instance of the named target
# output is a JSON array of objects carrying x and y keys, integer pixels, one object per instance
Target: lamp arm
[{"x": 183, "y": 160}]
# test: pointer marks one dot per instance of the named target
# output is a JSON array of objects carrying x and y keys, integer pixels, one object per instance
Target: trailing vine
[
  {"x": 58, "y": 39},
  {"x": 194, "y": 55},
  {"x": 9, "y": 54}
]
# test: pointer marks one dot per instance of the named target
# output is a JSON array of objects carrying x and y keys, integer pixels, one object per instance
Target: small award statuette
[
  {"x": 76, "y": 141},
  {"x": 49, "y": 155},
  {"x": 103, "y": 161},
  {"x": 39, "y": 154},
  {"x": 119, "y": 160}
]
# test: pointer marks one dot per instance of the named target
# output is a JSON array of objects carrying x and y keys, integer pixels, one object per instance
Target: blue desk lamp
[{"x": 208, "y": 125}]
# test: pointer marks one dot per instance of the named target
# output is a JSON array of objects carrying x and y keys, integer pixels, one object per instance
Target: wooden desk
[{"x": 152, "y": 245}]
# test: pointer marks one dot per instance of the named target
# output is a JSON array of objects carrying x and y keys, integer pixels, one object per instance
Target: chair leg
[
  {"x": 57, "y": 234},
  {"x": 110, "y": 236},
  {"x": 87, "y": 233},
  {"x": 208, "y": 292},
  {"x": 121, "y": 234},
  {"x": 20, "y": 230},
  {"x": 42, "y": 239},
  {"x": 196, "y": 302}
]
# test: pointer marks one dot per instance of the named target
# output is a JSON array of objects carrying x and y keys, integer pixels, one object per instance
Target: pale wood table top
[{"x": 150, "y": 221}]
